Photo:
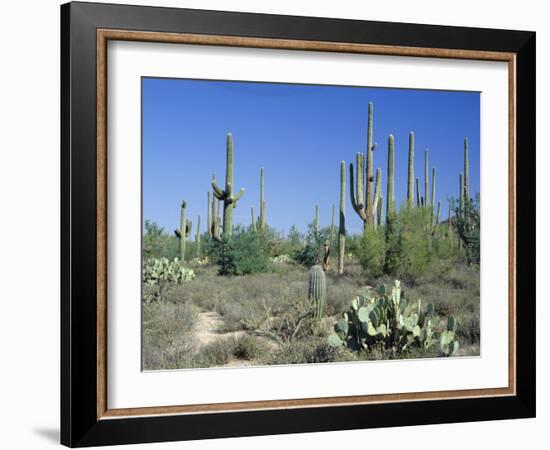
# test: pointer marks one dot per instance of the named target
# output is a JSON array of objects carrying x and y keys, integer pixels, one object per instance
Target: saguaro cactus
[
  {"x": 342, "y": 226},
  {"x": 262, "y": 201},
  {"x": 184, "y": 230},
  {"x": 426, "y": 196},
  {"x": 253, "y": 217},
  {"x": 466, "y": 172},
  {"x": 377, "y": 194},
  {"x": 410, "y": 183},
  {"x": 417, "y": 192},
  {"x": 361, "y": 194},
  {"x": 198, "y": 237},
  {"x": 317, "y": 290},
  {"x": 226, "y": 195},
  {"x": 390, "y": 202},
  {"x": 316, "y": 222},
  {"x": 208, "y": 215}
]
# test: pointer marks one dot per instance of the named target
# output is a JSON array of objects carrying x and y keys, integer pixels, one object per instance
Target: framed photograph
[{"x": 276, "y": 224}]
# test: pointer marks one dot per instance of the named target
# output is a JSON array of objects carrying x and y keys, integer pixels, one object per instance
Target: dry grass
[{"x": 170, "y": 333}]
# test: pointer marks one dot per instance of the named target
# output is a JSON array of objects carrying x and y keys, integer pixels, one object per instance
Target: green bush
[
  {"x": 371, "y": 252},
  {"x": 310, "y": 253},
  {"x": 239, "y": 254}
]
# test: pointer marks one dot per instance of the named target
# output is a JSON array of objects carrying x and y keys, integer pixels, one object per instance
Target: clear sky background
[{"x": 299, "y": 134}]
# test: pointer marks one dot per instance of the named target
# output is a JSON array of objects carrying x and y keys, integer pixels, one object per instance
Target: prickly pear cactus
[
  {"x": 161, "y": 272},
  {"x": 317, "y": 289},
  {"x": 388, "y": 321}
]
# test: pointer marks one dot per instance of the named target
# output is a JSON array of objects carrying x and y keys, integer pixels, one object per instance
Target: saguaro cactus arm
[{"x": 410, "y": 183}]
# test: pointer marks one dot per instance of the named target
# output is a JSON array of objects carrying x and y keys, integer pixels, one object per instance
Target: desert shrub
[
  {"x": 467, "y": 226},
  {"x": 157, "y": 243},
  {"x": 239, "y": 254},
  {"x": 372, "y": 250},
  {"x": 305, "y": 351},
  {"x": 310, "y": 253},
  {"x": 247, "y": 347}
]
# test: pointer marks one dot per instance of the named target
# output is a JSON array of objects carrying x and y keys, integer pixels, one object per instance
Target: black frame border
[{"x": 79, "y": 424}]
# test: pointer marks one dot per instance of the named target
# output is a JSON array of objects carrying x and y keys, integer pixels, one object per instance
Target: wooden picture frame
[{"x": 86, "y": 418}]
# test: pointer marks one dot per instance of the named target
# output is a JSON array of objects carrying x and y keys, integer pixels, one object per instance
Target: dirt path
[{"x": 209, "y": 329}]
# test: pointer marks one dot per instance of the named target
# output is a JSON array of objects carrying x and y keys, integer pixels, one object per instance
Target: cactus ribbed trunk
[
  {"x": 208, "y": 215},
  {"x": 410, "y": 180},
  {"x": 369, "y": 169},
  {"x": 461, "y": 203},
  {"x": 426, "y": 181},
  {"x": 253, "y": 223},
  {"x": 317, "y": 290},
  {"x": 466, "y": 173},
  {"x": 342, "y": 225},
  {"x": 229, "y": 200},
  {"x": 438, "y": 216},
  {"x": 198, "y": 237},
  {"x": 316, "y": 222},
  {"x": 262, "y": 201},
  {"x": 417, "y": 192},
  {"x": 377, "y": 194},
  {"x": 433, "y": 192},
  {"x": 184, "y": 230},
  {"x": 390, "y": 202}
]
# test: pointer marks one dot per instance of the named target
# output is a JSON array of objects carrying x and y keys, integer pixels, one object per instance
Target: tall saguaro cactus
[
  {"x": 342, "y": 225},
  {"x": 466, "y": 172},
  {"x": 184, "y": 230},
  {"x": 390, "y": 202},
  {"x": 253, "y": 218},
  {"x": 417, "y": 192},
  {"x": 198, "y": 237},
  {"x": 426, "y": 196},
  {"x": 262, "y": 201},
  {"x": 410, "y": 180},
  {"x": 316, "y": 222},
  {"x": 226, "y": 195},
  {"x": 208, "y": 215},
  {"x": 377, "y": 194},
  {"x": 361, "y": 190}
]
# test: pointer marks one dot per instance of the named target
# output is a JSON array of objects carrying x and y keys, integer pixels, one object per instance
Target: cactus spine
[
  {"x": 342, "y": 225},
  {"x": 466, "y": 173},
  {"x": 317, "y": 290},
  {"x": 390, "y": 202},
  {"x": 262, "y": 201},
  {"x": 410, "y": 184},
  {"x": 229, "y": 200},
  {"x": 198, "y": 237},
  {"x": 426, "y": 197},
  {"x": 184, "y": 230}
]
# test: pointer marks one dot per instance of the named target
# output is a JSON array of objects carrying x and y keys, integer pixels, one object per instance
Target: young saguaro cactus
[
  {"x": 253, "y": 218},
  {"x": 410, "y": 180},
  {"x": 390, "y": 202},
  {"x": 184, "y": 230},
  {"x": 262, "y": 201},
  {"x": 361, "y": 189},
  {"x": 226, "y": 195},
  {"x": 466, "y": 173},
  {"x": 342, "y": 225},
  {"x": 317, "y": 290},
  {"x": 198, "y": 237}
]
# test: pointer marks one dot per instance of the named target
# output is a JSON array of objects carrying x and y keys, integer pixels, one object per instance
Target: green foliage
[
  {"x": 157, "y": 243},
  {"x": 387, "y": 322},
  {"x": 309, "y": 254},
  {"x": 467, "y": 226},
  {"x": 160, "y": 273},
  {"x": 239, "y": 254},
  {"x": 372, "y": 250}
]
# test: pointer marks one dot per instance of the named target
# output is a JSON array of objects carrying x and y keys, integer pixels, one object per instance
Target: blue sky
[{"x": 299, "y": 134}]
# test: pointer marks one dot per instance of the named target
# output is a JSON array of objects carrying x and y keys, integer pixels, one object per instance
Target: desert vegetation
[{"x": 406, "y": 286}]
